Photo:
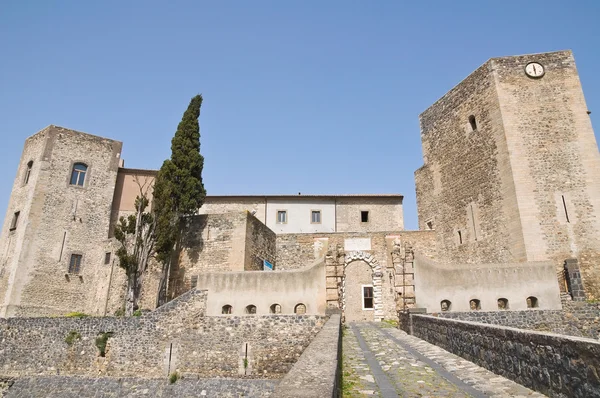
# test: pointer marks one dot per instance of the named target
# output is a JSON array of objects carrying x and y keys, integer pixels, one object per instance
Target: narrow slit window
[
  {"x": 364, "y": 216},
  {"x": 315, "y": 217},
  {"x": 281, "y": 216},
  {"x": 367, "y": 297},
  {"x": 28, "y": 172},
  {"x": 15, "y": 220},
  {"x": 460, "y": 239},
  {"x": 75, "y": 264},
  {"x": 107, "y": 256},
  {"x": 78, "y": 174},
  {"x": 473, "y": 123},
  {"x": 565, "y": 207}
]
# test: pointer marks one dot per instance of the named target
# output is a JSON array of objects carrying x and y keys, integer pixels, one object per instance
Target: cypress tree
[{"x": 178, "y": 190}]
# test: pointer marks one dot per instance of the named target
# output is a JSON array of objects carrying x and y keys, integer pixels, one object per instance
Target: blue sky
[{"x": 304, "y": 96}]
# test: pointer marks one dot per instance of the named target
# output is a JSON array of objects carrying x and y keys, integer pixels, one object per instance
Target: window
[
  {"x": 75, "y": 264},
  {"x": 300, "y": 309},
  {"x": 502, "y": 304},
  {"x": 472, "y": 123},
  {"x": 532, "y": 302},
  {"x": 78, "y": 174},
  {"x": 28, "y": 172},
  {"x": 275, "y": 309},
  {"x": 430, "y": 225},
  {"x": 281, "y": 216},
  {"x": 315, "y": 217},
  {"x": 446, "y": 305},
  {"x": 13, "y": 223},
  {"x": 251, "y": 309},
  {"x": 565, "y": 207},
  {"x": 459, "y": 237},
  {"x": 475, "y": 305},
  {"x": 227, "y": 309},
  {"x": 367, "y": 293},
  {"x": 194, "y": 281},
  {"x": 107, "y": 258},
  {"x": 364, "y": 216}
]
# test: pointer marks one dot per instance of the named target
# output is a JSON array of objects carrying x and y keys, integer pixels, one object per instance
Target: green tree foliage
[{"x": 178, "y": 189}]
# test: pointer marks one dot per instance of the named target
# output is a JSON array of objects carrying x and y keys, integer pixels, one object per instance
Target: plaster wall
[
  {"x": 299, "y": 215},
  {"x": 460, "y": 283},
  {"x": 264, "y": 289}
]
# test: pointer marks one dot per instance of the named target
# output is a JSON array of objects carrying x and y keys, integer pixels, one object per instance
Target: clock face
[{"x": 533, "y": 69}]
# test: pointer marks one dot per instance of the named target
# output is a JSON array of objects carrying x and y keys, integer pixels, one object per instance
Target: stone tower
[
  {"x": 54, "y": 246},
  {"x": 511, "y": 167}
]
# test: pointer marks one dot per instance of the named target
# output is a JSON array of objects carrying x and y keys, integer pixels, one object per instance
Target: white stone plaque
[{"x": 356, "y": 244}]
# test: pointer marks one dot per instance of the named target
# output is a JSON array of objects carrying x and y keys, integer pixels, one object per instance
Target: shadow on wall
[{"x": 485, "y": 287}]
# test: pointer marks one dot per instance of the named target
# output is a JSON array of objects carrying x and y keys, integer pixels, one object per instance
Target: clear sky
[{"x": 299, "y": 96}]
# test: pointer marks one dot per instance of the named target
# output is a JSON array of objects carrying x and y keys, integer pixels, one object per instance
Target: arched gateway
[{"x": 361, "y": 288}]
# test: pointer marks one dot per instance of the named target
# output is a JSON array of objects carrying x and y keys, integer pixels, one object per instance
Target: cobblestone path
[{"x": 382, "y": 361}]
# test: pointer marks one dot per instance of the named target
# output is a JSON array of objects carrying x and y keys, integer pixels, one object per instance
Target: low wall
[
  {"x": 175, "y": 337},
  {"x": 460, "y": 283},
  {"x": 558, "y": 366},
  {"x": 316, "y": 374},
  {"x": 266, "y": 288}
]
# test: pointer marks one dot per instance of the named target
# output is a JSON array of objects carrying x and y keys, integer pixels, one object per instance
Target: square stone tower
[
  {"x": 54, "y": 246},
  {"x": 511, "y": 167}
]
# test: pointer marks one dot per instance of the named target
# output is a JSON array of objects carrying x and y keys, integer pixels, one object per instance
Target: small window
[
  {"x": 502, "y": 304},
  {"x": 78, "y": 174},
  {"x": 227, "y": 309},
  {"x": 28, "y": 172},
  {"x": 107, "y": 258},
  {"x": 429, "y": 225},
  {"x": 364, "y": 216},
  {"x": 446, "y": 305},
  {"x": 532, "y": 302},
  {"x": 75, "y": 264},
  {"x": 275, "y": 309},
  {"x": 251, "y": 309},
  {"x": 194, "y": 281},
  {"x": 473, "y": 123},
  {"x": 367, "y": 292},
  {"x": 459, "y": 237},
  {"x": 300, "y": 309},
  {"x": 15, "y": 220},
  {"x": 315, "y": 217},
  {"x": 281, "y": 216},
  {"x": 475, "y": 305}
]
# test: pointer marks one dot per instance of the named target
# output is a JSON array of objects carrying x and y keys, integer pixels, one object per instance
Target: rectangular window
[
  {"x": 194, "y": 281},
  {"x": 75, "y": 264},
  {"x": 281, "y": 216},
  {"x": 364, "y": 216},
  {"x": 367, "y": 293},
  {"x": 13, "y": 224},
  {"x": 107, "y": 258},
  {"x": 315, "y": 217}
]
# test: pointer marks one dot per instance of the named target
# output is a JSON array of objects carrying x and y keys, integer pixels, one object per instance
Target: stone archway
[{"x": 376, "y": 279}]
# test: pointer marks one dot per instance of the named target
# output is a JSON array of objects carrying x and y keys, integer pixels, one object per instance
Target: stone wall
[
  {"x": 220, "y": 242},
  {"x": 458, "y": 284},
  {"x": 579, "y": 319},
  {"x": 175, "y": 337},
  {"x": 317, "y": 372},
  {"x": 555, "y": 365},
  {"x": 385, "y": 214}
]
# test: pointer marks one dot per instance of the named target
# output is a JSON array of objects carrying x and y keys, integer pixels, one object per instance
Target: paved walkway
[{"x": 382, "y": 361}]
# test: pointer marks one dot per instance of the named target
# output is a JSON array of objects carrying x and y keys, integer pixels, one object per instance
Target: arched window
[
  {"x": 78, "y": 174},
  {"x": 475, "y": 305},
  {"x": 227, "y": 309},
  {"x": 251, "y": 309},
  {"x": 300, "y": 309},
  {"x": 446, "y": 305},
  {"x": 28, "y": 172},
  {"x": 473, "y": 123},
  {"x": 532, "y": 302},
  {"x": 275, "y": 309},
  {"x": 502, "y": 304}
]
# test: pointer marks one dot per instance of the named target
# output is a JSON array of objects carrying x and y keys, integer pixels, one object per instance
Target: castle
[{"x": 508, "y": 205}]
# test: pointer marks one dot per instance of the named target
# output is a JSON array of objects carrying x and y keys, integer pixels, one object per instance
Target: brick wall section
[
  {"x": 554, "y": 365},
  {"x": 55, "y": 211},
  {"x": 198, "y": 345},
  {"x": 260, "y": 245}
]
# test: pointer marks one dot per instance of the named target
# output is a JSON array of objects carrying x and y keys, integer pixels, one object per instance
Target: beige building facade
[{"x": 508, "y": 194}]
